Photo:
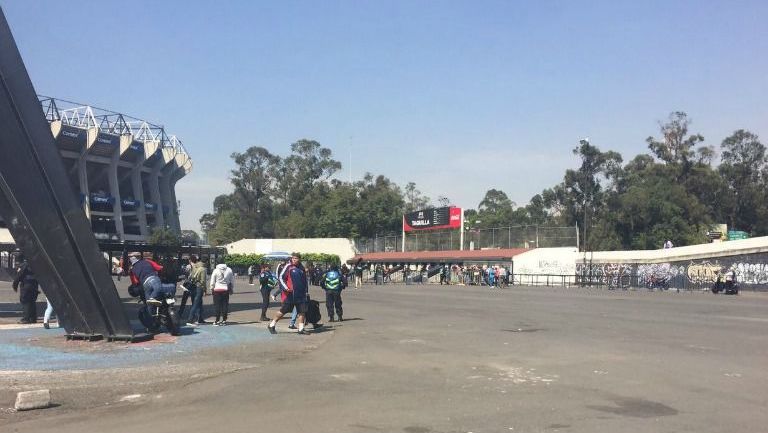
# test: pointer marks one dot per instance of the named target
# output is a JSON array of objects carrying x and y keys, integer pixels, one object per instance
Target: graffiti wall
[
  {"x": 609, "y": 274},
  {"x": 656, "y": 273},
  {"x": 751, "y": 273}
]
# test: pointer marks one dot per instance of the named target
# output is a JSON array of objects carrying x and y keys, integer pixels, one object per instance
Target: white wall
[
  {"x": 339, "y": 246},
  {"x": 5, "y": 237},
  {"x": 542, "y": 261},
  {"x": 251, "y": 246},
  {"x": 692, "y": 252}
]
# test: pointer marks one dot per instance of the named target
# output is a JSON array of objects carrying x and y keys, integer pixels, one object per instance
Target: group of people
[
  {"x": 292, "y": 283},
  {"x": 150, "y": 277},
  {"x": 489, "y": 275},
  {"x": 494, "y": 275}
]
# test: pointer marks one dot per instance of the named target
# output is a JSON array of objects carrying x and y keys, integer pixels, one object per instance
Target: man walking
[
  {"x": 358, "y": 270},
  {"x": 333, "y": 283},
  {"x": 444, "y": 275},
  {"x": 295, "y": 288},
  {"x": 491, "y": 276},
  {"x": 251, "y": 274},
  {"x": 267, "y": 281},
  {"x": 197, "y": 287},
  {"x": 26, "y": 284}
]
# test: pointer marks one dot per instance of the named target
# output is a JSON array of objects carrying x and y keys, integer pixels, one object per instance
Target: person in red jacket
[{"x": 144, "y": 273}]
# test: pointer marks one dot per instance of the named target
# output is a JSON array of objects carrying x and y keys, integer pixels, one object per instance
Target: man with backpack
[
  {"x": 295, "y": 290},
  {"x": 267, "y": 281},
  {"x": 333, "y": 283}
]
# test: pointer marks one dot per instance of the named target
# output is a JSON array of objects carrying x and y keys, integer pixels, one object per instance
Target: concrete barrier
[{"x": 28, "y": 400}]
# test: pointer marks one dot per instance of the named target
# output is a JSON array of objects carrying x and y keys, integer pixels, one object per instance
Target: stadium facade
[{"x": 123, "y": 170}]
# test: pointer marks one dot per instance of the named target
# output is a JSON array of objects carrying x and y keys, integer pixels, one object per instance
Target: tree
[
  {"x": 581, "y": 194},
  {"x": 414, "y": 199},
  {"x": 207, "y": 223},
  {"x": 654, "y": 210},
  {"x": 228, "y": 228},
  {"x": 676, "y": 147},
  {"x": 673, "y": 192},
  {"x": 190, "y": 237},
  {"x": 307, "y": 164},
  {"x": 743, "y": 161},
  {"x": 165, "y": 237},
  {"x": 495, "y": 210},
  {"x": 255, "y": 183},
  {"x": 382, "y": 206},
  {"x": 339, "y": 215},
  {"x": 537, "y": 211}
]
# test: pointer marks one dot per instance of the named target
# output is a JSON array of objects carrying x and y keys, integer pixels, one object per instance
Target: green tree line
[
  {"x": 243, "y": 261},
  {"x": 674, "y": 191}
]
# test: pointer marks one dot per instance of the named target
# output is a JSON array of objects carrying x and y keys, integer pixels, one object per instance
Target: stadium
[{"x": 123, "y": 170}]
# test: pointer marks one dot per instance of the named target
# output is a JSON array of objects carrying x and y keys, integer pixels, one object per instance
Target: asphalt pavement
[{"x": 423, "y": 359}]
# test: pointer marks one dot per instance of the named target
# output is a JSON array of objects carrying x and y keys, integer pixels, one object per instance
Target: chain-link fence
[{"x": 474, "y": 239}]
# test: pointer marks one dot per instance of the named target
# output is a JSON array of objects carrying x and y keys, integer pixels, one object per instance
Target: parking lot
[{"x": 430, "y": 358}]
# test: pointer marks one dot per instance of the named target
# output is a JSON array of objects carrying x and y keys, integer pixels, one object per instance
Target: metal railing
[{"x": 624, "y": 282}]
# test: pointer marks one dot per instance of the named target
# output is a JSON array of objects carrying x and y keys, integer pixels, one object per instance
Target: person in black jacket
[
  {"x": 267, "y": 282},
  {"x": 26, "y": 284}
]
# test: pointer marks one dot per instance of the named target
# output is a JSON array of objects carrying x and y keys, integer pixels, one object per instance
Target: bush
[
  {"x": 329, "y": 259},
  {"x": 240, "y": 262}
]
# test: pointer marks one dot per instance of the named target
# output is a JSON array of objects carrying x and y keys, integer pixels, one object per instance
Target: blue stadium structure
[{"x": 122, "y": 169}]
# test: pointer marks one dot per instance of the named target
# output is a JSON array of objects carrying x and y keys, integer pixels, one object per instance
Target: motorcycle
[
  {"x": 660, "y": 284},
  {"x": 153, "y": 317},
  {"x": 729, "y": 287}
]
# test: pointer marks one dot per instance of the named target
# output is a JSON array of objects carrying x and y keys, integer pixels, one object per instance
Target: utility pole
[
  {"x": 461, "y": 236},
  {"x": 585, "y": 141}
]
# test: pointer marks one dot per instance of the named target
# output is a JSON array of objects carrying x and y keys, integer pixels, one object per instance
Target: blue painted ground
[{"x": 41, "y": 349}]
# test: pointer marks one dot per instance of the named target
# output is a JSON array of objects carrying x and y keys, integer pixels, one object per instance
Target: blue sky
[{"x": 459, "y": 97}]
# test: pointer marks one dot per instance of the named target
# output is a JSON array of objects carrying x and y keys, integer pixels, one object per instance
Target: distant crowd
[{"x": 155, "y": 283}]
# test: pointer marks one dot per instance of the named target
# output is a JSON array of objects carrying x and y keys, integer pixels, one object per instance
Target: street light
[{"x": 585, "y": 141}]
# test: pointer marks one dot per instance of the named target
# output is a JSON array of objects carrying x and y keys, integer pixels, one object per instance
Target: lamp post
[
  {"x": 467, "y": 225},
  {"x": 585, "y": 141}
]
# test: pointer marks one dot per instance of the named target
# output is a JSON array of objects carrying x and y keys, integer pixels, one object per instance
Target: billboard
[{"x": 432, "y": 219}]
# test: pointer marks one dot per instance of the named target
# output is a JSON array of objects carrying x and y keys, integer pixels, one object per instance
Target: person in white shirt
[{"x": 222, "y": 285}]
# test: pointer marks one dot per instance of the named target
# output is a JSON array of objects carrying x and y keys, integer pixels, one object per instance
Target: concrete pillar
[
  {"x": 82, "y": 177},
  {"x": 114, "y": 191},
  {"x": 154, "y": 165},
  {"x": 128, "y": 152},
  {"x": 184, "y": 166},
  {"x": 82, "y": 171},
  {"x": 153, "y": 181},
  {"x": 138, "y": 193},
  {"x": 165, "y": 194},
  {"x": 164, "y": 183}
]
